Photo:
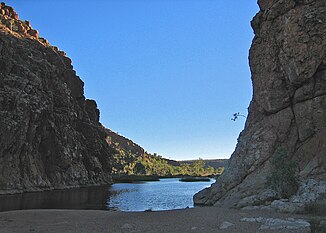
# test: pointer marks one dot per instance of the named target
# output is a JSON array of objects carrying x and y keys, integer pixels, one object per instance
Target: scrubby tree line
[{"x": 149, "y": 164}]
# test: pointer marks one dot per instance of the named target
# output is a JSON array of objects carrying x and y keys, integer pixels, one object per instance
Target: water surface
[{"x": 165, "y": 194}]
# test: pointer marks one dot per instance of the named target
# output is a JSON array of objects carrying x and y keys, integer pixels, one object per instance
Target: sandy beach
[{"x": 205, "y": 219}]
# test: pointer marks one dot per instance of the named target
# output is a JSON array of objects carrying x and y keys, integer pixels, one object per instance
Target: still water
[{"x": 165, "y": 194}]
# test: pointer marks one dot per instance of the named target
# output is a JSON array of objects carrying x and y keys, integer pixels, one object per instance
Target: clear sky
[{"x": 168, "y": 74}]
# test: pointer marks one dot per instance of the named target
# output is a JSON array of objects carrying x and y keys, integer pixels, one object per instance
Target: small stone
[
  {"x": 266, "y": 208},
  {"x": 194, "y": 228},
  {"x": 127, "y": 226},
  {"x": 287, "y": 207},
  {"x": 258, "y": 220},
  {"x": 250, "y": 208},
  {"x": 275, "y": 224},
  {"x": 226, "y": 225}
]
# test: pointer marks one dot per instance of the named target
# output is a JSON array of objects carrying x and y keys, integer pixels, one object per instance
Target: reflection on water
[
  {"x": 81, "y": 198},
  {"x": 160, "y": 195}
]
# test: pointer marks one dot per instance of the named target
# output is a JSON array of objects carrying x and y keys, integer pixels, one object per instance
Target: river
[{"x": 165, "y": 194}]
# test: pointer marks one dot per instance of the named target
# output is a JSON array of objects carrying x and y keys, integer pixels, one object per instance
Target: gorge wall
[
  {"x": 50, "y": 134},
  {"x": 288, "y": 109}
]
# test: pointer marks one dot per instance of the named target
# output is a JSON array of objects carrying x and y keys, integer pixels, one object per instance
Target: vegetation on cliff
[
  {"x": 283, "y": 177},
  {"x": 129, "y": 159},
  {"x": 149, "y": 164}
]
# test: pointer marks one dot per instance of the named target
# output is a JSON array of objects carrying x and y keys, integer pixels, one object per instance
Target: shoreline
[
  {"x": 8, "y": 192},
  {"x": 198, "y": 219},
  {"x": 39, "y": 190}
]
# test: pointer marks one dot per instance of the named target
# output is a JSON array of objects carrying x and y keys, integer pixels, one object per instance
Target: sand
[{"x": 206, "y": 219}]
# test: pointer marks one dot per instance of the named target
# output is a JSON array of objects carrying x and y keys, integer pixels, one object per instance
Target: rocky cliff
[
  {"x": 50, "y": 135},
  {"x": 288, "y": 109}
]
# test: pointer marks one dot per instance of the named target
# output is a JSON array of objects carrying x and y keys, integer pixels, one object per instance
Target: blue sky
[{"x": 167, "y": 74}]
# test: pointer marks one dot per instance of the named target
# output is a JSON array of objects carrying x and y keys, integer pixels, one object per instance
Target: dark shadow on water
[
  {"x": 94, "y": 198},
  {"x": 165, "y": 194}
]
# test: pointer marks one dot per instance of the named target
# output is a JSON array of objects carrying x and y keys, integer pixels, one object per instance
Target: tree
[
  {"x": 210, "y": 170},
  {"x": 198, "y": 166},
  {"x": 236, "y": 116},
  {"x": 185, "y": 169},
  {"x": 129, "y": 168},
  {"x": 283, "y": 177},
  {"x": 139, "y": 168}
]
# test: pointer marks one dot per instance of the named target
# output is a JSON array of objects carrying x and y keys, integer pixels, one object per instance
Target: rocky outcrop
[
  {"x": 8, "y": 11},
  {"x": 280, "y": 224},
  {"x": 50, "y": 135},
  {"x": 288, "y": 109}
]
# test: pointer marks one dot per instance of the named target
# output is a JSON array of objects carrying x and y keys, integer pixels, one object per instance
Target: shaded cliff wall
[
  {"x": 288, "y": 108},
  {"x": 50, "y": 135}
]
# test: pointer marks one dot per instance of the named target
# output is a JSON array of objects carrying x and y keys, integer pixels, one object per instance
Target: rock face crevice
[
  {"x": 50, "y": 134},
  {"x": 288, "y": 109}
]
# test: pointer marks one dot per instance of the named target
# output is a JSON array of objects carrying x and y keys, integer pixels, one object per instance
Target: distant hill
[{"x": 215, "y": 163}]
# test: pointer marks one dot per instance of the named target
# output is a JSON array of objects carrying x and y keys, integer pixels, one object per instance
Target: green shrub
[{"x": 283, "y": 177}]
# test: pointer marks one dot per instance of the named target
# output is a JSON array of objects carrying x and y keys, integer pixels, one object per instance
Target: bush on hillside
[{"x": 283, "y": 177}]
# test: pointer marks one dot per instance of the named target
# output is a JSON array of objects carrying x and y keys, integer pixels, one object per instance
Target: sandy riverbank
[{"x": 207, "y": 219}]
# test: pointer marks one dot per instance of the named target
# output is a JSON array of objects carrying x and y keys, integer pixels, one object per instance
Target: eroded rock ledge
[
  {"x": 288, "y": 109},
  {"x": 50, "y": 134}
]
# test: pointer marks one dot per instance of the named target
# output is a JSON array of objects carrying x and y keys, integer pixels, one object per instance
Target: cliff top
[{"x": 11, "y": 24}]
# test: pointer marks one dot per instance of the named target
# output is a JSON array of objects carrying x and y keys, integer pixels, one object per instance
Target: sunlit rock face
[
  {"x": 50, "y": 135},
  {"x": 288, "y": 108}
]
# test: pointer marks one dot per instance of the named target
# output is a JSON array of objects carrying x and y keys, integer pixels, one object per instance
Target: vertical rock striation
[
  {"x": 288, "y": 109},
  {"x": 50, "y": 135}
]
